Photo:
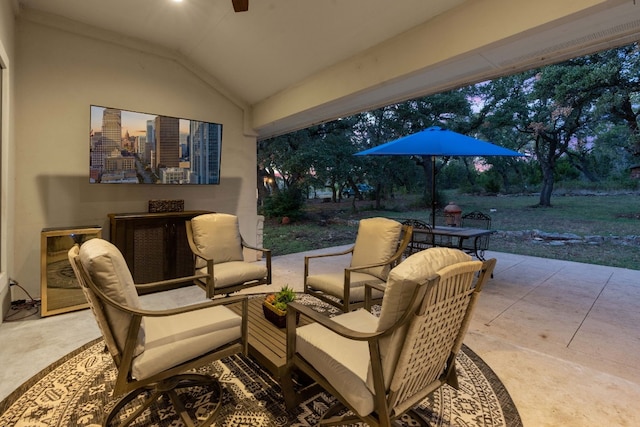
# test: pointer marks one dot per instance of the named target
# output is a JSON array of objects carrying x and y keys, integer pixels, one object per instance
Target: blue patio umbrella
[{"x": 436, "y": 141}]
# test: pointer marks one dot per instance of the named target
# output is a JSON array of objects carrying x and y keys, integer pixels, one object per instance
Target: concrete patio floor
[{"x": 562, "y": 336}]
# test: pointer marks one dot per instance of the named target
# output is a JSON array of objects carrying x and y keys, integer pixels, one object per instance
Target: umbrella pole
[{"x": 433, "y": 191}]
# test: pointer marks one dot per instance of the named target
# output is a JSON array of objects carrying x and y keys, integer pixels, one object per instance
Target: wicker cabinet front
[{"x": 154, "y": 244}]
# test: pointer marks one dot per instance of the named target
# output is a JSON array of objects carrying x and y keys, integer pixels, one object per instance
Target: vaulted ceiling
[{"x": 293, "y": 63}]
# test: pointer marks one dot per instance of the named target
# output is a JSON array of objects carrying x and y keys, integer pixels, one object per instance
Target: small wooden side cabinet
[
  {"x": 60, "y": 292},
  {"x": 154, "y": 245}
]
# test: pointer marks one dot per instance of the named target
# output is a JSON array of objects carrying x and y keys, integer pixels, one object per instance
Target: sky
[{"x": 135, "y": 123}]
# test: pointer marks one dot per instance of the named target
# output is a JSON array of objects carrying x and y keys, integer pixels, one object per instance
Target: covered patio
[{"x": 561, "y": 336}]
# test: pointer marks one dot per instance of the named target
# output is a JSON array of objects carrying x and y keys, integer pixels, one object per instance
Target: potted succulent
[{"x": 274, "y": 306}]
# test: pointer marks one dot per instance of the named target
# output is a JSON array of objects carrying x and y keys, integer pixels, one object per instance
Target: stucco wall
[
  {"x": 63, "y": 73},
  {"x": 6, "y": 152}
]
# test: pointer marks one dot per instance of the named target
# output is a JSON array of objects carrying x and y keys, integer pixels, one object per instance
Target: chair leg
[
  {"x": 124, "y": 401},
  {"x": 333, "y": 418},
  {"x": 166, "y": 388}
]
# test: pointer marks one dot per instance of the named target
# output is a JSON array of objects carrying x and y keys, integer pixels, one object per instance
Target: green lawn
[
  {"x": 616, "y": 215},
  {"x": 583, "y": 215}
]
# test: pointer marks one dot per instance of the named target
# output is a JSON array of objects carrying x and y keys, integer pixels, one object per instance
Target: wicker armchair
[
  {"x": 379, "y": 246},
  {"x": 217, "y": 248},
  {"x": 379, "y": 368},
  {"x": 154, "y": 349}
]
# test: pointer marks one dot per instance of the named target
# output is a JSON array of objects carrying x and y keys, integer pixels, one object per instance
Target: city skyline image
[{"x": 142, "y": 148}]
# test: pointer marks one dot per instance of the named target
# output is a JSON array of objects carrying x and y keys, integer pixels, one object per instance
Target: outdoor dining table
[{"x": 455, "y": 237}]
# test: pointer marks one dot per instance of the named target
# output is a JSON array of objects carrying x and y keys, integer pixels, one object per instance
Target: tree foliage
[{"x": 576, "y": 120}]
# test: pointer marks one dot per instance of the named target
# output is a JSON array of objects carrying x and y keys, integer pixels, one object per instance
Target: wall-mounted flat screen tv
[{"x": 129, "y": 147}]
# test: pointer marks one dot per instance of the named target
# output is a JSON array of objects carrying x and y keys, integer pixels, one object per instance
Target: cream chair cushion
[
  {"x": 376, "y": 242},
  {"x": 163, "y": 342},
  {"x": 234, "y": 272},
  {"x": 340, "y": 360},
  {"x": 107, "y": 268},
  {"x": 333, "y": 284},
  {"x": 343, "y": 362},
  {"x": 217, "y": 237},
  {"x": 176, "y": 339},
  {"x": 94, "y": 303}
]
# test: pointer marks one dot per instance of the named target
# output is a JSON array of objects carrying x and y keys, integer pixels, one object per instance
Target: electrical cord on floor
[{"x": 22, "y": 308}]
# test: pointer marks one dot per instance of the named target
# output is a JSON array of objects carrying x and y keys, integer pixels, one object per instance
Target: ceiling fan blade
[{"x": 240, "y": 5}]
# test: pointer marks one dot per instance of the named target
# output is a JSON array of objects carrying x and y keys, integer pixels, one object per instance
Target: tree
[
  {"x": 582, "y": 114},
  {"x": 285, "y": 161},
  {"x": 552, "y": 108},
  {"x": 333, "y": 161},
  {"x": 500, "y": 106},
  {"x": 318, "y": 156},
  {"x": 563, "y": 104},
  {"x": 449, "y": 109},
  {"x": 618, "y": 104},
  {"x": 552, "y": 136},
  {"x": 372, "y": 129}
]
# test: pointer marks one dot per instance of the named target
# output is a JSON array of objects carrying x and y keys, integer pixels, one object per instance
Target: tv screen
[{"x": 129, "y": 147}]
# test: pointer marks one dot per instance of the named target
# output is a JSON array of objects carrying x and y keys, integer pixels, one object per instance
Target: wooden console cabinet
[{"x": 154, "y": 245}]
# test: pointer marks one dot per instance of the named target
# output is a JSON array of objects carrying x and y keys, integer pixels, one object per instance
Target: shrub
[
  {"x": 492, "y": 185},
  {"x": 288, "y": 202}
]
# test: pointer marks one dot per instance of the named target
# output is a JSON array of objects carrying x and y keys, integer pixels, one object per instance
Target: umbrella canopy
[{"x": 436, "y": 141}]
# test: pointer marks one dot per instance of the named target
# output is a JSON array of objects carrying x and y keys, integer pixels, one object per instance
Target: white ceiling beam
[{"x": 478, "y": 40}]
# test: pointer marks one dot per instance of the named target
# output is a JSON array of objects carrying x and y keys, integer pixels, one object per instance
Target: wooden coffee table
[{"x": 268, "y": 343}]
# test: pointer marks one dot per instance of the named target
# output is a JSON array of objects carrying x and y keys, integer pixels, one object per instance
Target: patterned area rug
[{"x": 76, "y": 391}]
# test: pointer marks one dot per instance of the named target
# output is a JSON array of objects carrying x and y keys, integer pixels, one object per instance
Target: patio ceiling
[{"x": 292, "y": 63}]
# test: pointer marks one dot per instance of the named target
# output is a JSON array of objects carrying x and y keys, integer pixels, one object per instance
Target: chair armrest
[
  {"x": 376, "y": 286},
  {"x": 363, "y": 267},
  {"x": 328, "y": 323},
  {"x": 197, "y": 253},
  {"x": 165, "y": 312},
  {"x": 368, "y": 297},
  {"x": 161, "y": 284},
  {"x": 307, "y": 258},
  {"x": 378, "y": 264},
  {"x": 265, "y": 251},
  {"x": 347, "y": 251},
  {"x": 194, "y": 307},
  {"x": 255, "y": 248}
]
